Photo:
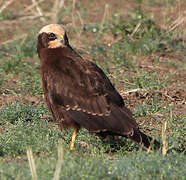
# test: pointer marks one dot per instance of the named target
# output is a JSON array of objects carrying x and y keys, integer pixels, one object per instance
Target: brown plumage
[{"x": 79, "y": 94}]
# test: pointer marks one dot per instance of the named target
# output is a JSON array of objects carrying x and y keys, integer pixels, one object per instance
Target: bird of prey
[{"x": 79, "y": 94}]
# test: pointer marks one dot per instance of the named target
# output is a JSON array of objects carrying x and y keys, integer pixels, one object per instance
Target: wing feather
[
  {"x": 80, "y": 89},
  {"x": 80, "y": 85}
]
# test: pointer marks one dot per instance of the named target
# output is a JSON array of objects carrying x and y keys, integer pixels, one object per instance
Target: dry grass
[
  {"x": 179, "y": 22},
  {"x": 58, "y": 165},
  {"x": 57, "y": 6},
  {"x": 59, "y": 161},
  {"x": 164, "y": 139},
  {"x": 32, "y": 164},
  {"x": 5, "y": 5}
]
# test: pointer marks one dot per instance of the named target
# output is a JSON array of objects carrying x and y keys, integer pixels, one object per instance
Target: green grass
[
  {"x": 141, "y": 35},
  {"x": 133, "y": 166},
  {"x": 177, "y": 125},
  {"x": 149, "y": 80},
  {"x": 23, "y": 65},
  {"x": 7, "y": 16},
  {"x": 150, "y": 106},
  {"x": 23, "y": 127}
]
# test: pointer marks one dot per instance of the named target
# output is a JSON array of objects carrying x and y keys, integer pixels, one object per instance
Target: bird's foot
[
  {"x": 74, "y": 136},
  {"x": 72, "y": 147}
]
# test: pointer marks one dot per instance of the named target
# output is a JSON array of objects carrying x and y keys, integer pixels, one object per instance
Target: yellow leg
[{"x": 74, "y": 136}]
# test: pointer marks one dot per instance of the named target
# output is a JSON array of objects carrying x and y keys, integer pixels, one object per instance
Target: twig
[
  {"x": 58, "y": 4},
  {"x": 73, "y": 6},
  {"x": 3, "y": 7},
  {"x": 60, "y": 161},
  {"x": 136, "y": 28},
  {"x": 80, "y": 18},
  {"x": 132, "y": 90},
  {"x": 61, "y": 3},
  {"x": 104, "y": 17},
  {"x": 179, "y": 7},
  {"x": 176, "y": 23},
  {"x": 19, "y": 20},
  {"x": 81, "y": 21},
  {"x": 33, "y": 5},
  {"x": 38, "y": 9},
  {"x": 31, "y": 163},
  {"x": 122, "y": 81},
  {"x": 30, "y": 17},
  {"x": 73, "y": 21}
]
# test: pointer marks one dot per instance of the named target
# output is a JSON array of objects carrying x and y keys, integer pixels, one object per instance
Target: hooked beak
[{"x": 61, "y": 39}]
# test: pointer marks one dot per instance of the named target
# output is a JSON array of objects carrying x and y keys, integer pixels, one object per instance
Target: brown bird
[{"x": 79, "y": 94}]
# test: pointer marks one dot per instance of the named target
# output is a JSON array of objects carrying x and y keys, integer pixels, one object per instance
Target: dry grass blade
[
  {"x": 73, "y": 18},
  {"x": 131, "y": 91},
  {"x": 33, "y": 5},
  {"x": 106, "y": 12},
  {"x": 6, "y": 4},
  {"x": 74, "y": 24},
  {"x": 164, "y": 139},
  {"x": 58, "y": 4},
  {"x": 178, "y": 22},
  {"x": 73, "y": 5},
  {"x": 38, "y": 9},
  {"x": 60, "y": 161},
  {"x": 30, "y": 18},
  {"x": 31, "y": 163},
  {"x": 136, "y": 29},
  {"x": 80, "y": 18}
]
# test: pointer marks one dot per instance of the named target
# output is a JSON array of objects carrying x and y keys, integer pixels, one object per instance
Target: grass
[
  {"x": 142, "y": 59},
  {"x": 21, "y": 66},
  {"x": 149, "y": 80},
  {"x": 24, "y": 128},
  {"x": 7, "y": 16},
  {"x": 150, "y": 106}
]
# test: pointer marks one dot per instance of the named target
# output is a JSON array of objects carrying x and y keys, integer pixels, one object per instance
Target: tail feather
[
  {"x": 144, "y": 140},
  {"x": 138, "y": 137}
]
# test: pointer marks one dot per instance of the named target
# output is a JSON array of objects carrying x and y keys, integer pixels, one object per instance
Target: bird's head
[{"x": 53, "y": 36}]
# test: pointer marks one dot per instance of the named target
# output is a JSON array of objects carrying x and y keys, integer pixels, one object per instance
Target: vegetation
[{"x": 142, "y": 52}]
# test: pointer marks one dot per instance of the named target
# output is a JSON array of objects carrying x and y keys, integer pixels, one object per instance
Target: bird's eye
[{"x": 52, "y": 36}]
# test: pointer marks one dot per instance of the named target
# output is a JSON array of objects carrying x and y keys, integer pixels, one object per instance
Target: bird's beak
[{"x": 61, "y": 38}]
